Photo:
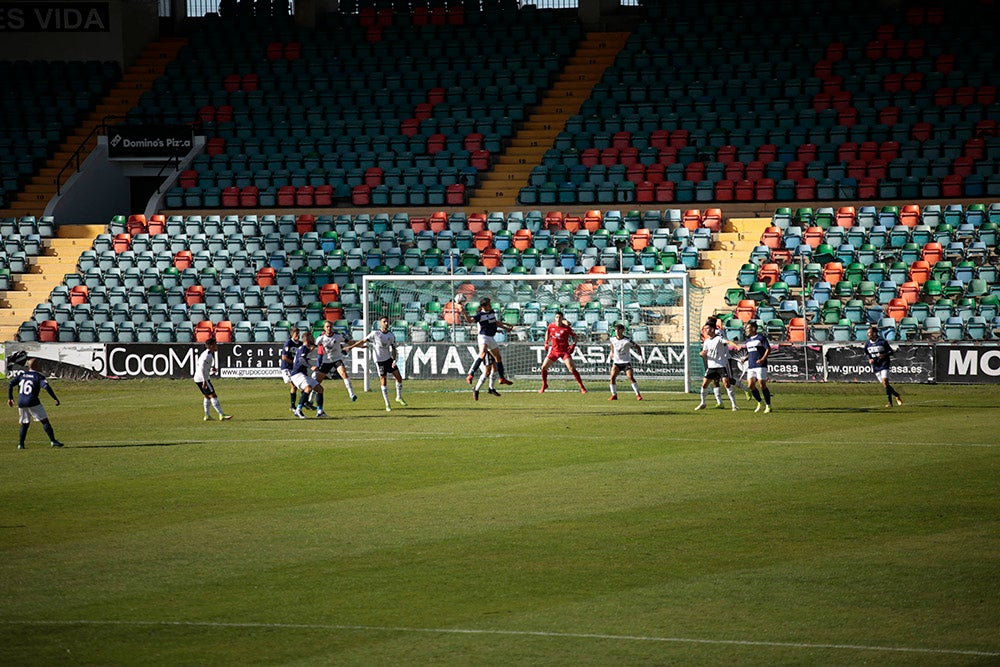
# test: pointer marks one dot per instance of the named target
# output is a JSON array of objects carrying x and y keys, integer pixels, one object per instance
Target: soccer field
[{"x": 559, "y": 529}]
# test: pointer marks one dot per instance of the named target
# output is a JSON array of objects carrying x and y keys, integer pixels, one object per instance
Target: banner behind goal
[{"x": 435, "y": 341}]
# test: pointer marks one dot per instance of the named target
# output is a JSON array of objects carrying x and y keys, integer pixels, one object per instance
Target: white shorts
[
  {"x": 882, "y": 376},
  {"x": 36, "y": 412},
  {"x": 286, "y": 375},
  {"x": 303, "y": 381},
  {"x": 488, "y": 341},
  {"x": 757, "y": 373}
]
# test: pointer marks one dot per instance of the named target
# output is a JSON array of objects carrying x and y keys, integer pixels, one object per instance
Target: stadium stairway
[
  {"x": 720, "y": 264},
  {"x": 138, "y": 78},
  {"x": 576, "y": 81},
  {"x": 48, "y": 270}
]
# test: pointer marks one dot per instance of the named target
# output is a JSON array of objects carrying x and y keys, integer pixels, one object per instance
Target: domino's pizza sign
[
  {"x": 149, "y": 142},
  {"x": 968, "y": 364}
]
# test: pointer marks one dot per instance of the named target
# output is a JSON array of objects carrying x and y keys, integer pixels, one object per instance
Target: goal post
[{"x": 435, "y": 342}]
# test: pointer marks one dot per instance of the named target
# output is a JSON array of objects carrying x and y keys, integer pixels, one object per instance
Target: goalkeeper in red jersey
[{"x": 560, "y": 341}]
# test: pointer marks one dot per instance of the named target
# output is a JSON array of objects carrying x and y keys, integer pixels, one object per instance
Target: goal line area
[{"x": 436, "y": 342}]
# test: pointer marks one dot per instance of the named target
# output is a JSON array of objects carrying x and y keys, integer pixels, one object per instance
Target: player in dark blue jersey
[
  {"x": 488, "y": 322},
  {"x": 285, "y": 361},
  {"x": 879, "y": 353},
  {"x": 30, "y": 384},
  {"x": 758, "y": 350},
  {"x": 307, "y": 360}
]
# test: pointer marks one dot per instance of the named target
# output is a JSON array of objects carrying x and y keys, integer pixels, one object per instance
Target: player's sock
[
  {"x": 302, "y": 401},
  {"x": 291, "y": 400},
  {"x": 475, "y": 366},
  {"x": 479, "y": 383},
  {"x": 576, "y": 376},
  {"x": 703, "y": 392},
  {"x": 216, "y": 405},
  {"x": 767, "y": 396},
  {"x": 493, "y": 377},
  {"x": 208, "y": 405},
  {"x": 24, "y": 432},
  {"x": 500, "y": 369},
  {"x": 47, "y": 427},
  {"x": 350, "y": 388},
  {"x": 399, "y": 391},
  {"x": 614, "y": 390},
  {"x": 718, "y": 395},
  {"x": 635, "y": 388},
  {"x": 319, "y": 402},
  {"x": 545, "y": 378},
  {"x": 385, "y": 395},
  {"x": 756, "y": 394},
  {"x": 731, "y": 392}
]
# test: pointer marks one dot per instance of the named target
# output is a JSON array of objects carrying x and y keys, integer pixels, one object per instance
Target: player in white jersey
[
  {"x": 707, "y": 331},
  {"x": 620, "y": 357},
  {"x": 384, "y": 350},
  {"x": 202, "y": 377},
  {"x": 332, "y": 344},
  {"x": 715, "y": 351}
]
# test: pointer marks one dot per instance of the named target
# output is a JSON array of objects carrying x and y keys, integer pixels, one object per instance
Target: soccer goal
[{"x": 435, "y": 342}]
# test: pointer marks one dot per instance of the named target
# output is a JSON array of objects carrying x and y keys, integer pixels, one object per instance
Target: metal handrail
[
  {"x": 74, "y": 159},
  {"x": 175, "y": 161}
]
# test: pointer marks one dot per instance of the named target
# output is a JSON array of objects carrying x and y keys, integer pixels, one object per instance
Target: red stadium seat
[
  {"x": 361, "y": 195},
  {"x": 224, "y": 332},
  {"x": 665, "y": 192},
  {"x": 79, "y": 294},
  {"x": 194, "y": 294},
  {"x": 48, "y": 331},
  {"x": 203, "y": 331},
  {"x": 249, "y": 196}
]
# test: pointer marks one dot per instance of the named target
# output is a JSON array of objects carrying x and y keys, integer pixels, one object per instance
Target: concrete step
[
  {"x": 32, "y": 202},
  {"x": 88, "y": 232},
  {"x": 535, "y": 134},
  {"x": 574, "y": 85},
  {"x": 39, "y": 183}
]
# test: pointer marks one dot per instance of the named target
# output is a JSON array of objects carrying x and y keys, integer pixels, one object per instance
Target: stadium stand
[{"x": 407, "y": 120}]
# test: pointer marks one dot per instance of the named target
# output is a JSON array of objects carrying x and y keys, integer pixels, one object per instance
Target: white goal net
[{"x": 435, "y": 342}]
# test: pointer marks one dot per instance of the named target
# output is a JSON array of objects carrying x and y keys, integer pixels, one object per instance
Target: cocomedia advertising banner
[{"x": 148, "y": 360}]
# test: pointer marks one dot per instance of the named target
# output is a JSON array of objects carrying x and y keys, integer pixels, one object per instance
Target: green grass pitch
[{"x": 546, "y": 530}]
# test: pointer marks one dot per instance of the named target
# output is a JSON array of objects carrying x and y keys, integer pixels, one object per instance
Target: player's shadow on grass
[
  {"x": 632, "y": 413},
  {"x": 141, "y": 444},
  {"x": 409, "y": 413},
  {"x": 412, "y": 413},
  {"x": 834, "y": 410}
]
